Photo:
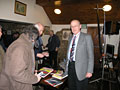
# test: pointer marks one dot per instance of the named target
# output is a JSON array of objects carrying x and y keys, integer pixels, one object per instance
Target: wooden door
[{"x": 94, "y": 33}]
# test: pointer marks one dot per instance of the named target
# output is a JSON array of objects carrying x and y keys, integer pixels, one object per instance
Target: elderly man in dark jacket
[{"x": 53, "y": 46}]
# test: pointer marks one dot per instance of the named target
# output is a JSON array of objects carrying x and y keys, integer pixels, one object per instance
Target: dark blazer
[
  {"x": 84, "y": 58},
  {"x": 38, "y": 48},
  {"x": 17, "y": 72},
  {"x": 53, "y": 42}
]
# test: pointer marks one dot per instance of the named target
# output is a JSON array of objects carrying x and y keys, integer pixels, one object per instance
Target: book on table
[
  {"x": 53, "y": 82},
  {"x": 58, "y": 72},
  {"x": 45, "y": 71},
  {"x": 60, "y": 77}
]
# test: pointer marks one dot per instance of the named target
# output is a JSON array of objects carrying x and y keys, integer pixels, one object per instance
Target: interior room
[{"x": 102, "y": 25}]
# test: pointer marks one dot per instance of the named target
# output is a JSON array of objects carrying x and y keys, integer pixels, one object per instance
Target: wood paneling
[
  {"x": 80, "y": 9},
  {"x": 93, "y": 31}
]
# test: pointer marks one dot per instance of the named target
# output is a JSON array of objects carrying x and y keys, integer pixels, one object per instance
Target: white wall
[
  {"x": 35, "y": 13},
  {"x": 114, "y": 40},
  {"x": 57, "y": 27}
]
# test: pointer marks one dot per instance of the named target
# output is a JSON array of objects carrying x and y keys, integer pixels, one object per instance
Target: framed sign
[
  {"x": 20, "y": 8},
  {"x": 84, "y": 26}
]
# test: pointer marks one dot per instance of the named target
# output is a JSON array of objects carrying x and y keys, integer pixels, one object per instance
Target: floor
[{"x": 104, "y": 79}]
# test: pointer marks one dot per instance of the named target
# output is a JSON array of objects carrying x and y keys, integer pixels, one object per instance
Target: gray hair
[{"x": 32, "y": 32}]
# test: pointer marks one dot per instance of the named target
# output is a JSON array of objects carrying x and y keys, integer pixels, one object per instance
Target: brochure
[
  {"x": 59, "y": 72},
  {"x": 53, "y": 82},
  {"x": 43, "y": 72},
  {"x": 60, "y": 77}
]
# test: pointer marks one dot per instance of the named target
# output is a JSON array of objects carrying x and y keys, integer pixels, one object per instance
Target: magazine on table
[
  {"x": 59, "y": 72},
  {"x": 60, "y": 77},
  {"x": 53, "y": 82},
  {"x": 43, "y": 72}
]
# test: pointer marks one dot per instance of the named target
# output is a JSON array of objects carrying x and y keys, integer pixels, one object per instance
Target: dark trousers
[
  {"x": 53, "y": 58},
  {"x": 73, "y": 82}
]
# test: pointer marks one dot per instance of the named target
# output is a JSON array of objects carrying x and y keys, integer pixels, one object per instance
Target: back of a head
[
  {"x": 32, "y": 32},
  {"x": 16, "y": 33},
  {"x": 39, "y": 26}
]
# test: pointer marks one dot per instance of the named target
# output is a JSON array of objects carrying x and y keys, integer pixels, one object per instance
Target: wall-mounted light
[
  {"x": 57, "y": 11},
  {"x": 57, "y": 3},
  {"x": 107, "y": 8}
]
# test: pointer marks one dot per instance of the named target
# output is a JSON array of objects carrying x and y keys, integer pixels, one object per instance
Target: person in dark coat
[
  {"x": 53, "y": 46},
  {"x": 39, "y": 54}
]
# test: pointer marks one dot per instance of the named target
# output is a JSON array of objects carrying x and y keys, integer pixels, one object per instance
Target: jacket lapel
[
  {"x": 80, "y": 40},
  {"x": 69, "y": 41}
]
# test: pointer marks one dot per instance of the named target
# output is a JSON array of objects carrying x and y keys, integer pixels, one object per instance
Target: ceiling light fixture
[
  {"x": 57, "y": 11},
  {"x": 107, "y": 8}
]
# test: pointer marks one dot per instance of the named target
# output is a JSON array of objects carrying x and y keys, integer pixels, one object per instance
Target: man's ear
[{"x": 80, "y": 26}]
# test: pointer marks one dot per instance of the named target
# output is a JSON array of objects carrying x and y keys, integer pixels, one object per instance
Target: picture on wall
[
  {"x": 20, "y": 8},
  {"x": 66, "y": 34},
  {"x": 46, "y": 30}
]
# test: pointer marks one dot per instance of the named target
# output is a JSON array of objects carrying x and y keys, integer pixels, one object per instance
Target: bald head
[
  {"x": 76, "y": 21},
  {"x": 40, "y": 27},
  {"x": 75, "y": 26},
  {"x": 0, "y": 31}
]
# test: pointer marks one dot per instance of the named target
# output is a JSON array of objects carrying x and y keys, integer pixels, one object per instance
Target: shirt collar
[{"x": 76, "y": 34}]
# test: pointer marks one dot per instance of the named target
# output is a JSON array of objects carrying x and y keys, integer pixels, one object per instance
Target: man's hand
[
  {"x": 56, "y": 49},
  {"x": 35, "y": 71},
  {"x": 44, "y": 47},
  {"x": 40, "y": 55},
  {"x": 45, "y": 54},
  {"x": 88, "y": 75},
  {"x": 38, "y": 77}
]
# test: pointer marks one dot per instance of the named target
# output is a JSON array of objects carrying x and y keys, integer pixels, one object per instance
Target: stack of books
[
  {"x": 58, "y": 72},
  {"x": 56, "y": 79},
  {"x": 57, "y": 76}
]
